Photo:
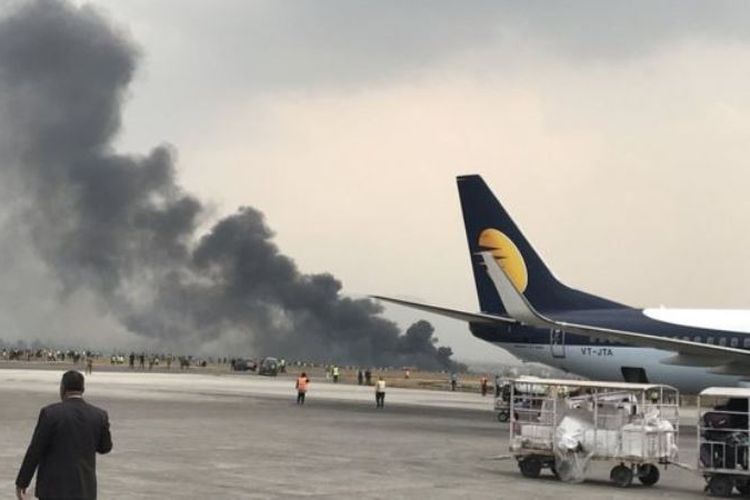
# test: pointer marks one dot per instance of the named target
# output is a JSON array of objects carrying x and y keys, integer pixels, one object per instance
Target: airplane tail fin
[{"x": 490, "y": 228}]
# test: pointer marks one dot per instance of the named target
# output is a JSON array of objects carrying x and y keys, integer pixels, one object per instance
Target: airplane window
[
  {"x": 734, "y": 342},
  {"x": 686, "y": 338},
  {"x": 723, "y": 341},
  {"x": 746, "y": 343},
  {"x": 696, "y": 339},
  {"x": 710, "y": 340}
]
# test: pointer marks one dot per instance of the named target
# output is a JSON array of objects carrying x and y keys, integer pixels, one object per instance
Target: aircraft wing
[
  {"x": 450, "y": 313},
  {"x": 726, "y": 360}
]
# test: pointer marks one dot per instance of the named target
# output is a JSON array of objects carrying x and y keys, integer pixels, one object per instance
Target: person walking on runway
[
  {"x": 302, "y": 385},
  {"x": 380, "y": 393},
  {"x": 63, "y": 449}
]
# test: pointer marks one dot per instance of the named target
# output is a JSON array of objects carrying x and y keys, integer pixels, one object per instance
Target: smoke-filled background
[
  {"x": 91, "y": 236},
  {"x": 599, "y": 126}
]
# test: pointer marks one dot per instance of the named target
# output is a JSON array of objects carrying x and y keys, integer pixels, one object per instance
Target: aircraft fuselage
[{"x": 599, "y": 359}]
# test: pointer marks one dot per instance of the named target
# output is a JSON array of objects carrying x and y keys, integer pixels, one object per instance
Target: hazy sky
[{"x": 616, "y": 134}]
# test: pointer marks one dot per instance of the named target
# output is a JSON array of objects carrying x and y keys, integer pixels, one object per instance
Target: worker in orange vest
[{"x": 302, "y": 384}]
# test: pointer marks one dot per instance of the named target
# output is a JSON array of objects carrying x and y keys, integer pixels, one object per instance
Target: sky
[{"x": 616, "y": 135}]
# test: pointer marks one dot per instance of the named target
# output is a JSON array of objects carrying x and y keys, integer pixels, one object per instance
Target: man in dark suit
[{"x": 66, "y": 439}]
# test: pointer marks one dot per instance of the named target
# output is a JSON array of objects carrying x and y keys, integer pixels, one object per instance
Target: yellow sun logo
[{"x": 507, "y": 255}]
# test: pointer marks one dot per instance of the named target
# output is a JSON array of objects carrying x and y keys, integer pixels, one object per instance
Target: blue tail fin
[{"x": 489, "y": 227}]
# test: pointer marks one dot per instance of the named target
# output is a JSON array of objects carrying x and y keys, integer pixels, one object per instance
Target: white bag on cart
[
  {"x": 536, "y": 436},
  {"x": 662, "y": 443},
  {"x": 633, "y": 441},
  {"x": 651, "y": 441},
  {"x": 570, "y": 431},
  {"x": 601, "y": 442}
]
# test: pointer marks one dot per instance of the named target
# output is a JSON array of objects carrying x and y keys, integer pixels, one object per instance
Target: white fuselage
[{"x": 605, "y": 362}]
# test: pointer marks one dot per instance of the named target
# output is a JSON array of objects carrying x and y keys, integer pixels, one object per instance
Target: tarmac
[{"x": 197, "y": 436}]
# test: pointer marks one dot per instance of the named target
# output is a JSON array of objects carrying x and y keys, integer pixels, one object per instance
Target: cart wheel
[
  {"x": 621, "y": 475},
  {"x": 720, "y": 486},
  {"x": 502, "y": 416},
  {"x": 743, "y": 486},
  {"x": 530, "y": 467},
  {"x": 648, "y": 474}
]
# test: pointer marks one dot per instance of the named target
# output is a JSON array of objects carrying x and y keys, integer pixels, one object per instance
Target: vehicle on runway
[
  {"x": 244, "y": 365},
  {"x": 269, "y": 366},
  {"x": 528, "y": 312}
]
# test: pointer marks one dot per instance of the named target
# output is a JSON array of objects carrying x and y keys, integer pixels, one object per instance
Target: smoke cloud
[{"x": 121, "y": 226}]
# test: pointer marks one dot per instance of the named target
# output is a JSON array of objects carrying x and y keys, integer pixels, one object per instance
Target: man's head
[{"x": 71, "y": 384}]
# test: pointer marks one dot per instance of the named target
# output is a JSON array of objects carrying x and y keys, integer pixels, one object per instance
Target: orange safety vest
[{"x": 302, "y": 384}]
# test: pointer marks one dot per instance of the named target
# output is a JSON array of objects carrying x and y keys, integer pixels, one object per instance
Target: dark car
[
  {"x": 243, "y": 365},
  {"x": 269, "y": 366}
]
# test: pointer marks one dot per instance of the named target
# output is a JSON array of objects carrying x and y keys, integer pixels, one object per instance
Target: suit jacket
[{"x": 66, "y": 439}]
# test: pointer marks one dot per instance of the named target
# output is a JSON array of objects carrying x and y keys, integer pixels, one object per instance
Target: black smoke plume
[{"x": 121, "y": 226}]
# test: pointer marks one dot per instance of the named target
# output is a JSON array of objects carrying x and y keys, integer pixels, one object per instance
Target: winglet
[{"x": 514, "y": 302}]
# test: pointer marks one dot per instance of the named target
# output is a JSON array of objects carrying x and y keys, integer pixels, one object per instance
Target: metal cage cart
[
  {"x": 503, "y": 390},
  {"x": 564, "y": 424},
  {"x": 502, "y": 400},
  {"x": 723, "y": 437}
]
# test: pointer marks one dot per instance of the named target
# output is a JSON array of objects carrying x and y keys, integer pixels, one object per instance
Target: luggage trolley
[
  {"x": 502, "y": 400},
  {"x": 723, "y": 436},
  {"x": 563, "y": 424},
  {"x": 502, "y": 394}
]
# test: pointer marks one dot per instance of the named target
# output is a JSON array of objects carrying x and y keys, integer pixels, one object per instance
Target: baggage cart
[
  {"x": 525, "y": 385},
  {"x": 564, "y": 424},
  {"x": 723, "y": 429},
  {"x": 502, "y": 404}
]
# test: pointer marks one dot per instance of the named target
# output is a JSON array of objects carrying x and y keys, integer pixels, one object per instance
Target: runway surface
[{"x": 212, "y": 437}]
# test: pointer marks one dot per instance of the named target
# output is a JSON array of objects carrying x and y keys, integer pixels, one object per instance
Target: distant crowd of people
[
  {"x": 134, "y": 360},
  {"x": 142, "y": 359},
  {"x": 148, "y": 361},
  {"x": 44, "y": 354}
]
